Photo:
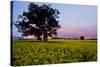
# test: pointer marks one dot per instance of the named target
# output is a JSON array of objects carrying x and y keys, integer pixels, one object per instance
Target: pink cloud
[
  {"x": 65, "y": 29},
  {"x": 78, "y": 31}
]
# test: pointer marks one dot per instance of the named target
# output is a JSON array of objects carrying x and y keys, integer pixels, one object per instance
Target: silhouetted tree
[
  {"x": 82, "y": 37},
  {"x": 38, "y": 20}
]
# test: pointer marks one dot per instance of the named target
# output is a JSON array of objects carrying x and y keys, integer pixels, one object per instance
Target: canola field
[{"x": 57, "y": 51}]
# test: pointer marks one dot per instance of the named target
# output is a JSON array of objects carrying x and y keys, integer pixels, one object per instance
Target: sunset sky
[{"x": 75, "y": 20}]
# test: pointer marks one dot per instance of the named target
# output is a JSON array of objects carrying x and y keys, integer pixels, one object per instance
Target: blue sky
[{"x": 76, "y": 20}]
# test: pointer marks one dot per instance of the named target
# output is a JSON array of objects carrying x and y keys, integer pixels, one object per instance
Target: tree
[
  {"x": 38, "y": 20},
  {"x": 82, "y": 38}
]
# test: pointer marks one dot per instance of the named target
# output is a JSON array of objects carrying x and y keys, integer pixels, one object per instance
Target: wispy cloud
[{"x": 87, "y": 31}]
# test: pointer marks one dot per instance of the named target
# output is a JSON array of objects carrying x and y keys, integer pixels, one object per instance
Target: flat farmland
[{"x": 29, "y": 52}]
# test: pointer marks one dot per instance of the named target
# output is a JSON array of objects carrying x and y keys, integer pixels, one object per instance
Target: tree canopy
[
  {"x": 82, "y": 37},
  {"x": 38, "y": 20}
]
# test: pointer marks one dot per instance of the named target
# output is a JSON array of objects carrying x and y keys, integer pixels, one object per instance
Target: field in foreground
[{"x": 28, "y": 52}]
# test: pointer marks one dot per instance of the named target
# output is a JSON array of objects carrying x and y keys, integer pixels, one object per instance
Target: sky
[{"x": 75, "y": 20}]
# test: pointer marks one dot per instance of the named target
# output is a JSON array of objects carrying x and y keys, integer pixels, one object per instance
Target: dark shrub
[{"x": 82, "y": 37}]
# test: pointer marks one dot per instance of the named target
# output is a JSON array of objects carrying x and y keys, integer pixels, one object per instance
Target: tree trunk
[
  {"x": 45, "y": 36},
  {"x": 39, "y": 38}
]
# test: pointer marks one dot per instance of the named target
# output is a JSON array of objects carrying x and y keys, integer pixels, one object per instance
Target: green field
[{"x": 29, "y": 52}]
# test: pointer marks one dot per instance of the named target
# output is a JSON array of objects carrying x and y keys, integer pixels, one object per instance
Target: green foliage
[{"x": 28, "y": 52}]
